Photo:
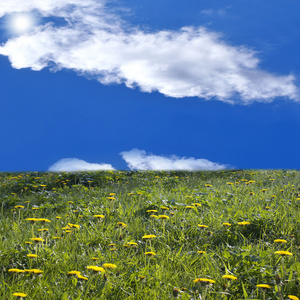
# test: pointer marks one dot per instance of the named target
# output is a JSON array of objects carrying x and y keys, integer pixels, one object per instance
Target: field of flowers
[{"x": 150, "y": 235}]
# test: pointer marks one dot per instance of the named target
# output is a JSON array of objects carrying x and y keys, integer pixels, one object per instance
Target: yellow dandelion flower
[
  {"x": 121, "y": 224},
  {"x": 264, "y": 286},
  {"x": 197, "y": 204},
  {"x": 280, "y": 241},
  {"x": 32, "y": 255},
  {"x": 284, "y": 253},
  {"x": 36, "y": 271},
  {"x": 293, "y": 297},
  {"x": 151, "y": 210},
  {"x": 244, "y": 223},
  {"x": 21, "y": 295},
  {"x": 164, "y": 217},
  {"x": 95, "y": 258},
  {"x": 202, "y": 226},
  {"x": 226, "y": 224},
  {"x": 81, "y": 277},
  {"x": 74, "y": 273},
  {"x": 148, "y": 236},
  {"x": 229, "y": 277},
  {"x": 44, "y": 220},
  {"x": 112, "y": 244},
  {"x": 73, "y": 225},
  {"x": 37, "y": 239},
  {"x": 204, "y": 280},
  {"x": 99, "y": 216},
  {"x": 165, "y": 208},
  {"x": 15, "y": 271},
  {"x": 19, "y": 206},
  {"x": 96, "y": 269},
  {"x": 109, "y": 266},
  {"x": 150, "y": 253},
  {"x": 132, "y": 243},
  {"x": 201, "y": 252},
  {"x": 208, "y": 185},
  {"x": 154, "y": 216},
  {"x": 111, "y": 198}
]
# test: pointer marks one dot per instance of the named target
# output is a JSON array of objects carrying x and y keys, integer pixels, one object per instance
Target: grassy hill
[{"x": 150, "y": 235}]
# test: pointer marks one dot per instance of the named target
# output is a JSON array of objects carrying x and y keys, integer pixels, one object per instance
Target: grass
[{"x": 243, "y": 213}]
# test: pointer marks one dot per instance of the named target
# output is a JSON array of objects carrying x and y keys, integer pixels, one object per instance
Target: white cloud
[
  {"x": 139, "y": 160},
  {"x": 75, "y": 164},
  {"x": 185, "y": 63}
]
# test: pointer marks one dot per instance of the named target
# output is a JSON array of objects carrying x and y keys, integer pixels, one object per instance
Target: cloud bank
[
  {"x": 75, "y": 164},
  {"x": 139, "y": 160},
  {"x": 92, "y": 41}
]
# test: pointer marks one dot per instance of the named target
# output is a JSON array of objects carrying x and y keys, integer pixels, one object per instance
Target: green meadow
[{"x": 230, "y": 234}]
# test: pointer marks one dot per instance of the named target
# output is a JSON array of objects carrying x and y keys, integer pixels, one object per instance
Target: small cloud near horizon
[
  {"x": 75, "y": 164},
  {"x": 139, "y": 160}
]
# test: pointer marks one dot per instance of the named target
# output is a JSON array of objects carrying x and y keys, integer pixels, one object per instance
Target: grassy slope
[{"x": 245, "y": 251}]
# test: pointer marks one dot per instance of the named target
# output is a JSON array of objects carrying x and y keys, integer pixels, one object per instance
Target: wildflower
[
  {"x": 112, "y": 244},
  {"x": 81, "y": 277},
  {"x": 37, "y": 239},
  {"x": 113, "y": 249},
  {"x": 264, "y": 286},
  {"x": 229, "y": 183},
  {"x": 201, "y": 252},
  {"x": 22, "y": 295},
  {"x": 74, "y": 273},
  {"x": 58, "y": 217},
  {"x": 244, "y": 223},
  {"x": 202, "y": 226},
  {"x": 284, "y": 253},
  {"x": 44, "y": 220},
  {"x": 32, "y": 220},
  {"x": 263, "y": 190},
  {"x": 44, "y": 229},
  {"x": 95, "y": 258},
  {"x": 121, "y": 224},
  {"x": 208, "y": 185},
  {"x": 74, "y": 225},
  {"x": 109, "y": 266},
  {"x": 165, "y": 208},
  {"x": 148, "y": 236},
  {"x": 154, "y": 216},
  {"x": 99, "y": 216},
  {"x": 204, "y": 280},
  {"x": 28, "y": 243},
  {"x": 112, "y": 194},
  {"x": 196, "y": 204},
  {"x": 36, "y": 271},
  {"x": 229, "y": 277},
  {"x": 15, "y": 271},
  {"x": 151, "y": 210},
  {"x": 150, "y": 253},
  {"x": 226, "y": 224},
  {"x": 280, "y": 241},
  {"x": 19, "y": 206},
  {"x": 111, "y": 198},
  {"x": 293, "y": 297},
  {"x": 32, "y": 255},
  {"x": 164, "y": 217},
  {"x": 132, "y": 243},
  {"x": 96, "y": 269}
]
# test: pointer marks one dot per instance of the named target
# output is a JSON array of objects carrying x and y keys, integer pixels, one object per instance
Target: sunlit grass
[{"x": 150, "y": 235}]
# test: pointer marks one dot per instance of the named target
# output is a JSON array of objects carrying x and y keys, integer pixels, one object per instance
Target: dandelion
[
  {"x": 231, "y": 277},
  {"x": 284, "y": 253},
  {"x": 74, "y": 273},
  {"x": 154, "y": 216},
  {"x": 111, "y": 244},
  {"x": 202, "y": 226},
  {"x": 293, "y": 297},
  {"x": 208, "y": 185},
  {"x": 99, "y": 216},
  {"x": 226, "y": 224},
  {"x": 201, "y": 252},
  {"x": 15, "y": 271},
  {"x": 164, "y": 217},
  {"x": 149, "y": 236},
  {"x": 197, "y": 204},
  {"x": 32, "y": 255},
  {"x": 244, "y": 223},
  {"x": 150, "y": 253},
  {"x": 19, "y": 206},
  {"x": 37, "y": 239},
  {"x": 81, "y": 277},
  {"x": 165, "y": 208},
  {"x": 95, "y": 258},
  {"x": 96, "y": 269},
  {"x": 151, "y": 211},
  {"x": 73, "y": 225},
  {"x": 132, "y": 243},
  {"x": 121, "y": 224},
  {"x": 264, "y": 286},
  {"x": 111, "y": 198},
  {"x": 21, "y": 295},
  {"x": 280, "y": 241},
  {"x": 204, "y": 280},
  {"x": 109, "y": 266},
  {"x": 36, "y": 271}
]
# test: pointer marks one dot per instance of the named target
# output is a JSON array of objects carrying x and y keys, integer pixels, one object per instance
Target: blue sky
[{"x": 149, "y": 85}]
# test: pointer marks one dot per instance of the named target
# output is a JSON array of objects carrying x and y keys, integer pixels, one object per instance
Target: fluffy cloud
[
  {"x": 75, "y": 164},
  {"x": 139, "y": 160},
  {"x": 185, "y": 63}
]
